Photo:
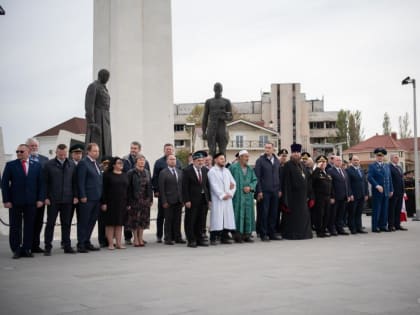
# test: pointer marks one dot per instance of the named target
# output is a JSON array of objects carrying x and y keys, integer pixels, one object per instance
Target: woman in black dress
[
  {"x": 140, "y": 199},
  {"x": 114, "y": 201}
]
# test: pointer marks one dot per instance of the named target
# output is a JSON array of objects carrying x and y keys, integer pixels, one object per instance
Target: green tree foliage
[
  {"x": 404, "y": 126},
  {"x": 386, "y": 125}
]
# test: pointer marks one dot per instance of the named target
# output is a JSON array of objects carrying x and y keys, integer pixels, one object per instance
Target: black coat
[
  {"x": 192, "y": 188},
  {"x": 170, "y": 189},
  {"x": 358, "y": 184},
  {"x": 60, "y": 181},
  {"x": 268, "y": 174},
  {"x": 340, "y": 184},
  {"x": 397, "y": 180},
  {"x": 160, "y": 164}
]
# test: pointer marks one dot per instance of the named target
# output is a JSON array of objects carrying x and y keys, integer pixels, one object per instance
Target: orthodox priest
[
  {"x": 222, "y": 190},
  {"x": 296, "y": 219},
  {"x": 243, "y": 201}
]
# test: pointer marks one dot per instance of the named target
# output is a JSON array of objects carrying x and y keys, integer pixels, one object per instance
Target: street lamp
[
  {"x": 192, "y": 126},
  {"x": 406, "y": 81}
]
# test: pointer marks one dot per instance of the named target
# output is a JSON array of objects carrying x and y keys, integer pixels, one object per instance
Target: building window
[
  {"x": 316, "y": 125},
  {"x": 330, "y": 125},
  {"x": 179, "y": 143},
  {"x": 400, "y": 154},
  {"x": 263, "y": 140},
  {"x": 178, "y": 127},
  {"x": 239, "y": 141}
]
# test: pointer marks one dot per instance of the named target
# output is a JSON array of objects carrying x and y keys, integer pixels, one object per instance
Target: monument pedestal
[{"x": 133, "y": 40}]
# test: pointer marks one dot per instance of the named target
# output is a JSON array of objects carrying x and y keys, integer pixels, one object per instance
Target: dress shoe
[
  {"x": 334, "y": 233},
  {"x": 377, "y": 230},
  {"x": 385, "y": 230},
  {"x": 180, "y": 241},
  {"x": 213, "y": 243},
  {"x": 69, "y": 250},
  {"x": 401, "y": 228},
  {"x": 248, "y": 240},
  {"x": 159, "y": 240},
  {"x": 92, "y": 248},
  {"x": 47, "y": 252},
  {"x": 343, "y": 232},
  {"x": 37, "y": 250},
  {"x": 169, "y": 243},
  {"x": 226, "y": 241},
  {"x": 82, "y": 250},
  {"x": 265, "y": 238},
  {"x": 361, "y": 231},
  {"x": 192, "y": 244},
  {"x": 203, "y": 243},
  {"x": 274, "y": 238},
  {"x": 16, "y": 254},
  {"x": 320, "y": 235},
  {"x": 353, "y": 232},
  {"x": 128, "y": 242},
  {"x": 326, "y": 234},
  {"x": 27, "y": 253}
]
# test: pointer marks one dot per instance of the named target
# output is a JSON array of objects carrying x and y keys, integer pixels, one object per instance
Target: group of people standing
[{"x": 292, "y": 197}]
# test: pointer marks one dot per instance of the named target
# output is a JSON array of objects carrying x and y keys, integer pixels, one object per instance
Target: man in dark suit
[
  {"x": 23, "y": 190},
  {"x": 170, "y": 195},
  {"x": 33, "y": 145},
  {"x": 76, "y": 155},
  {"x": 379, "y": 176},
  {"x": 160, "y": 164},
  {"x": 195, "y": 191},
  {"x": 61, "y": 194},
  {"x": 360, "y": 194},
  {"x": 341, "y": 195},
  {"x": 89, "y": 184},
  {"x": 395, "y": 203}
]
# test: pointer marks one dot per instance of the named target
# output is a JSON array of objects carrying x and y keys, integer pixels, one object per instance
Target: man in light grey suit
[{"x": 170, "y": 194}]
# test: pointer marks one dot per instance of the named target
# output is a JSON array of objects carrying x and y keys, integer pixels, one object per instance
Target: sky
[{"x": 353, "y": 54}]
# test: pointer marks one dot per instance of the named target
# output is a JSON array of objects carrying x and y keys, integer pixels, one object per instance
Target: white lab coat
[{"x": 221, "y": 215}]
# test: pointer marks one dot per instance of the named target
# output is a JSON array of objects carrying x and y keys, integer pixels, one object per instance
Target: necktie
[
  {"x": 341, "y": 172},
  {"x": 96, "y": 167},
  {"x": 360, "y": 172},
  {"x": 174, "y": 173},
  {"x": 24, "y": 167},
  {"x": 199, "y": 176}
]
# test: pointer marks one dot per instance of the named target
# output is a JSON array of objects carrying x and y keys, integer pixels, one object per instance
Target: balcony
[{"x": 247, "y": 144}]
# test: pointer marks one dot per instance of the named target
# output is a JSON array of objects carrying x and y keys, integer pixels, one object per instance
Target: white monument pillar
[{"x": 133, "y": 40}]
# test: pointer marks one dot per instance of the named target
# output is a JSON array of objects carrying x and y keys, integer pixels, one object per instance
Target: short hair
[
  {"x": 170, "y": 156},
  {"x": 61, "y": 146},
  {"x": 167, "y": 145},
  {"x": 393, "y": 154},
  {"x": 91, "y": 145},
  {"x": 270, "y": 143},
  {"x": 136, "y": 143},
  {"x": 30, "y": 140},
  {"x": 24, "y": 145},
  {"x": 139, "y": 157}
]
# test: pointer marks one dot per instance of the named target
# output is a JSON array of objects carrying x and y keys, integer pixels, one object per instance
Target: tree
[
  {"x": 404, "y": 123},
  {"x": 355, "y": 128},
  {"x": 182, "y": 156},
  {"x": 386, "y": 125},
  {"x": 343, "y": 128},
  {"x": 196, "y": 115}
]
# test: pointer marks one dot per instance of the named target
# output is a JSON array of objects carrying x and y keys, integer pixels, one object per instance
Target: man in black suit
[
  {"x": 76, "y": 155},
  {"x": 360, "y": 194},
  {"x": 61, "y": 194},
  {"x": 170, "y": 195},
  {"x": 195, "y": 191},
  {"x": 341, "y": 195},
  {"x": 89, "y": 184},
  {"x": 33, "y": 145},
  {"x": 160, "y": 164},
  {"x": 395, "y": 203},
  {"x": 22, "y": 188}
]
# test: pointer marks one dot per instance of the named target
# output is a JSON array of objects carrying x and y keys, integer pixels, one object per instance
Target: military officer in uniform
[{"x": 322, "y": 191}]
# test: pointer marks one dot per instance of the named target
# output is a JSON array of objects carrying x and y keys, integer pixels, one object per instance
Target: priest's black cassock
[{"x": 296, "y": 219}]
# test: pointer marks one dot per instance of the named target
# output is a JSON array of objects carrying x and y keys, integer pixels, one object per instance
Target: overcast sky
[{"x": 352, "y": 53}]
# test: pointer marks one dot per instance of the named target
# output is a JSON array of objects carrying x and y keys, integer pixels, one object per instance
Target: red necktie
[
  {"x": 24, "y": 166},
  {"x": 199, "y": 176}
]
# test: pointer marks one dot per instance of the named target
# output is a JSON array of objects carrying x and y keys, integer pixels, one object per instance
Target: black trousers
[
  {"x": 395, "y": 205},
  {"x": 340, "y": 207},
  {"x": 88, "y": 215},
  {"x": 65, "y": 210},
  {"x": 204, "y": 220},
  {"x": 193, "y": 221},
  {"x": 258, "y": 219},
  {"x": 321, "y": 213},
  {"x": 355, "y": 210},
  {"x": 160, "y": 220},
  {"x": 38, "y": 222},
  {"x": 270, "y": 205},
  {"x": 173, "y": 222},
  {"x": 16, "y": 215},
  {"x": 103, "y": 241}
]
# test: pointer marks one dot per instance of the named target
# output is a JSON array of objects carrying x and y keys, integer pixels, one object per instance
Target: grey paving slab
[{"x": 361, "y": 274}]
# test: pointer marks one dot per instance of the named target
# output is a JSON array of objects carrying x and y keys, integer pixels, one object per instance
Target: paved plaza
[{"x": 361, "y": 274}]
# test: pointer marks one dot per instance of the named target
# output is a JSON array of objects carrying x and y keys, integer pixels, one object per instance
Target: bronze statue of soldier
[
  {"x": 217, "y": 111},
  {"x": 98, "y": 125}
]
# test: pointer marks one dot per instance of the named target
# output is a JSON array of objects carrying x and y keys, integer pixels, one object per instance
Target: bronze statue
[
  {"x": 97, "y": 102},
  {"x": 217, "y": 111}
]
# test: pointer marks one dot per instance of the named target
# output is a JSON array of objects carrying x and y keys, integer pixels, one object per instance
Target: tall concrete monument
[{"x": 133, "y": 40}]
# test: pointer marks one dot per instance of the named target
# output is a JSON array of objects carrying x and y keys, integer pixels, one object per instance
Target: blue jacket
[
  {"x": 397, "y": 180},
  {"x": 358, "y": 184},
  {"x": 21, "y": 189},
  {"x": 340, "y": 185},
  {"x": 268, "y": 174},
  {"x": 89, "y": 181},
  {"x": 380, "y": 175}
]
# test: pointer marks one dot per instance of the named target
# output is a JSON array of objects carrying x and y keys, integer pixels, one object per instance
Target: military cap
[
  {"x": 380, "y": 151},
  {"x": 321, "y": 158},
  {"x": 199, "y": 155},
  {"x": 77, "y": 148},
  {"x": 283, "y": 151},
  {"x": 305, "y": 155}
]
